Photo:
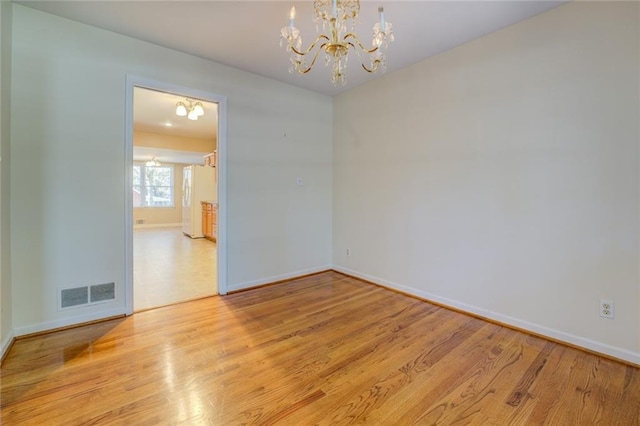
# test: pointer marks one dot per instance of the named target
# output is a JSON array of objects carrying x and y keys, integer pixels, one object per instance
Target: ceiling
[
  {"x": 153, "y": 110},
  {"x": 245, "y": 34}
]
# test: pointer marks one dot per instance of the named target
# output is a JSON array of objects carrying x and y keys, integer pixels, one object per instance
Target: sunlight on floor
[{"x": 169, "y": 267}]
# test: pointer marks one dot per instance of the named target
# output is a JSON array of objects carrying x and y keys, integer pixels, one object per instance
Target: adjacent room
[
  {"x": 174, "y": 198},
  {"x": 418, "y": 212}
]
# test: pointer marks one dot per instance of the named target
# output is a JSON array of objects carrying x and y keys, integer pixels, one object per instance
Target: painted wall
[
  {"x": 6, "y": 323},
  {"x": 501, "y": 177},
  {"x": 178, "y": 143},
  {"x": 163, "y": 215},
  {"x": 68, "y": 186}
]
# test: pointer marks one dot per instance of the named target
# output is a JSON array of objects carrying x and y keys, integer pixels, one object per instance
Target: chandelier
[
  {"x": 192, "y": 109},
  {"x": 338, "y": 18},
  {"x": 152, "y": 163}
]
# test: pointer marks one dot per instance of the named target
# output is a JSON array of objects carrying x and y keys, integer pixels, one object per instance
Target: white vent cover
[
  {"x": 74, "y": 296},
  {"x": 102, "y": 292},
  {"x": 87, "y": 295}
]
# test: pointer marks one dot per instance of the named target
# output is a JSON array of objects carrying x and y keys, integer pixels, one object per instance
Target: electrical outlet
[
  {"x": 348, "y": 252},
  {"x": 607, "y": 309}
]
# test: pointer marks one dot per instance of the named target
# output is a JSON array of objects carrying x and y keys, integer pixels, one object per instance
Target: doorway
[{"x": 166, "y": 263}]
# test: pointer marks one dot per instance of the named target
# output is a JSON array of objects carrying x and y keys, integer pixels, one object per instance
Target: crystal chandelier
[{"x": 338, "y": 18}]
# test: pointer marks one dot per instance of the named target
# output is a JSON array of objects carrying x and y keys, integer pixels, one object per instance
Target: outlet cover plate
[{"x": 607, "y": 308}]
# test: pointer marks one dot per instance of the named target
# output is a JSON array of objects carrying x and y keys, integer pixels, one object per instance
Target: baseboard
[
  {"x": 158, "y": 225},
  {"x": 67, "y": 322},
  {"x": 276, "y": 278},
  {"x": 6, "y": 345},
  {"x": 536, "y": 329}
]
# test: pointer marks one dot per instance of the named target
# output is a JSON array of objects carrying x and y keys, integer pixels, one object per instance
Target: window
[{"x": 152, "y": 185}]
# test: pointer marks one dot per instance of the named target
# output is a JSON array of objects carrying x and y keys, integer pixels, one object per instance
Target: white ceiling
[
  {"x": 245, "y": 34},
  {"x": 153, "y": 110}
]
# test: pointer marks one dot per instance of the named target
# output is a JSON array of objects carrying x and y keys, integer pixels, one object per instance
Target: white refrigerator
[{"x": 198, "y": 184}]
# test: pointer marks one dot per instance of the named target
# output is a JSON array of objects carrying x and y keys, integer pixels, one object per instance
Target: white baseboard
[
  {"x": 276, "y": 278},
  {"x": 6, "y": 343},
  {"x": 66, "y": 322},
  {"x": 158, "y": 225},
  {"x": 571, "y": 339}
]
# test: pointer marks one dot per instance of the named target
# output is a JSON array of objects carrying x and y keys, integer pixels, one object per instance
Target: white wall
[
  {"x": 6, "y": 326},
  {"x": 502, "y": 177},
  {"x": 68, "y": 158}
]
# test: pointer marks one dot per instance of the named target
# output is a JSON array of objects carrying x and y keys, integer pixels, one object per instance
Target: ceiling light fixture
[
  {"x": 190, "y": 108},
  {"x": 197, "y": 107},
  {"x": 338, "y": 17},
  {"x": 152, "y": 163},
  {"x": 181, "y": 109}
]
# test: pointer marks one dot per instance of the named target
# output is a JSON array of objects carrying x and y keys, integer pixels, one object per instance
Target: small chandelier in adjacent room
[
  {"x": 338, "y": 19},
  {"x": 152, "y": 163},
  {"x": 192, "y": 109}
]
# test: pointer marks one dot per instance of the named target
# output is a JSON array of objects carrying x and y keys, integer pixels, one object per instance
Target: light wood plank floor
[
  {"x": 169, "y": 267},
  {"x": 325, "y": 349}
]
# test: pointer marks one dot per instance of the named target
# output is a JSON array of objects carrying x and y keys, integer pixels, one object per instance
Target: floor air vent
[
  {"x": 74, "y": 296},
  {"x": 78, "y": 296},
  {"x": 102, "y": 292}
]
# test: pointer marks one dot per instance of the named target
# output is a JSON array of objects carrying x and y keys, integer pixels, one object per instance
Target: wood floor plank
[
  {"x": 331, "y": 361},
  {"x": 324, "y": 349},
  {"x": 457, "y": 391},
  {"x": 355, "y": 410},
  {"x": 411, "y": 403}
]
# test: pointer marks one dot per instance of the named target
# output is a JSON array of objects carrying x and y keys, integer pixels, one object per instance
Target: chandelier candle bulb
[
  {"x": 381, "y": 10},
  {"x": 292, "y": 16},
  {"x": 334, "y": 8}
]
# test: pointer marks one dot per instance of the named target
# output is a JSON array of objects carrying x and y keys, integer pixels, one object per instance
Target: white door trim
[{"x": 132, "y": 81}]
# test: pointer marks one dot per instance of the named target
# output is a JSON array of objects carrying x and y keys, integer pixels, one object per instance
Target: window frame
[{"x": 144, "y": 187}]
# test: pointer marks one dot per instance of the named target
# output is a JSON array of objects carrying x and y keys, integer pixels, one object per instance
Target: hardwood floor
[
  {"x": 325, "y": 349},
  {"x": 169, "y": 267}
]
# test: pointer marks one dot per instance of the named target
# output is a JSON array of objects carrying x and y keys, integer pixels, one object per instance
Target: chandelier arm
[
  {"x": 359, "y": 43},
  {"x": 372, "y": 69},
  {"x": 313, "y": 45},
  {"x": 376, "y": 62},
  {"x": 315, "y": 57}
]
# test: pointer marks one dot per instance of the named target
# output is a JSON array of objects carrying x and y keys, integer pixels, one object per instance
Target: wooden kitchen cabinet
[
  {"x": 211, "y": 160},
  {"x": 209, "y": 220},
  {"x": 206, "y": 221}
]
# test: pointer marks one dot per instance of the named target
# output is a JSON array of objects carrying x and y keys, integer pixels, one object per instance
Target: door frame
[{"x": 132, "y": 81}]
